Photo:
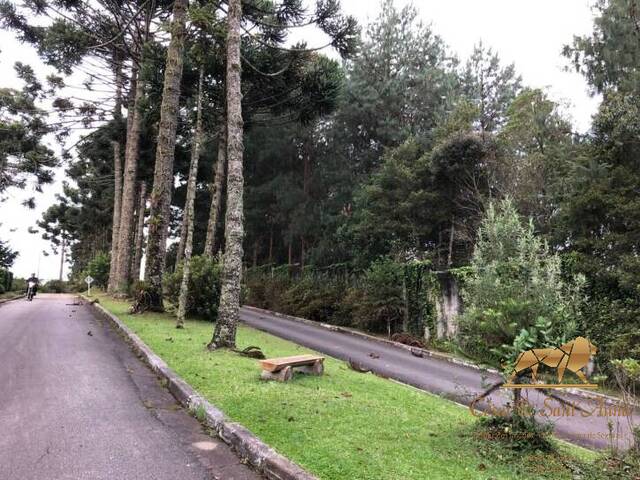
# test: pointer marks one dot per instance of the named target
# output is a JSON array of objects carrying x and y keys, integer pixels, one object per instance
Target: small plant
[
  {"x": 142, "y": 300},
  {"x": 98, "y": 268},
  {"x": 519, "y": 431},
  {"x": 200, "y": 413}
]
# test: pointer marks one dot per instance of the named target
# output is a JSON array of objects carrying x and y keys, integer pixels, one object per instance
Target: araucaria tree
[
  {"x": 229, "y": 310},
  {"x": 163, "y": 176},
  {"x": 341, "y": 30}
]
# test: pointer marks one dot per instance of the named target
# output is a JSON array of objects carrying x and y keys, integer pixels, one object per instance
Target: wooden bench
[{"x": 282, "y": 368}]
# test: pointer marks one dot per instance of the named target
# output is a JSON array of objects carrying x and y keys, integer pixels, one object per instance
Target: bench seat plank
[{"x": 275, "y": 364}]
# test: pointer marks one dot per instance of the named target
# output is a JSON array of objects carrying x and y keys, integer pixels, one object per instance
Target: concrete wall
[{"x": 448, "y": 306}]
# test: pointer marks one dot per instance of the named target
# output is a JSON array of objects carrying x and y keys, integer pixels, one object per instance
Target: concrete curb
[
  {"x": 7, "y": 300},
  {"x": 586, "y": 394},
  {"x": 248, "y": 447}
]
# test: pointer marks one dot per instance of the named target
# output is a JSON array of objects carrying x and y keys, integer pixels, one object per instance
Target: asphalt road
[
  {"x": 75, "y": 403},
  {"x": 587, "y": 427}
]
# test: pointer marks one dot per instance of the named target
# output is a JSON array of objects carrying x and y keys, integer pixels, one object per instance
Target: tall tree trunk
[
  {"x": 255, "y": 253},
  {"x": 229, "y": 311},
  {"x": 117, "y": 204},
  {"x": 125, "y": 231},
  {"x": 189, "y": 207},
  {"x": 451, "y": 237},
  {"x": 117, "y": 172},
  {"x": 119, "y": 80},
  {"x": 165, "y": 150},
  {"x": 139, "y": 245},
  {"x": 184, "y": 225},
  {"x": 212, "y": 243},
  {"x": 63, "y": 247}
]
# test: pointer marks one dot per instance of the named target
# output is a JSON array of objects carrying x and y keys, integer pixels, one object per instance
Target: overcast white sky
[{"x": 530, "y": 33}]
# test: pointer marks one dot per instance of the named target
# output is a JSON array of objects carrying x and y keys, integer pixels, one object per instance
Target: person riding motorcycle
[{"x": 32, "y": 282}]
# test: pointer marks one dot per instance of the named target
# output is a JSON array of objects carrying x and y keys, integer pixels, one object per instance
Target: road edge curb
[
  {"x": 247, "y": 446},
  {"x": 7, "y": 300},
  {"x": 589, "y": 395}
]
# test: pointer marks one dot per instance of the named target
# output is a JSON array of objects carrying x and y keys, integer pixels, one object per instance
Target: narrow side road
[
  {"x": 456, "y": 382},
  {"x": 75, "y": 403}
]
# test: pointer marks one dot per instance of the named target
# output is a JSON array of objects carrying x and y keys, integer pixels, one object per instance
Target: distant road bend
[{"x": 457, "y": 382}]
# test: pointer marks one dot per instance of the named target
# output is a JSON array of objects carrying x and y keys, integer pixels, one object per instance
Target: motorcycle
[{"x": 31, "y": 291}]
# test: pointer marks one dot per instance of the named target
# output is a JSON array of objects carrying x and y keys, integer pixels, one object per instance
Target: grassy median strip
[{"x": 343, "y": 425}]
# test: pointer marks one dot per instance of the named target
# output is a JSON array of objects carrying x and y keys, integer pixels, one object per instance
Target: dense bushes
[
  {"x": 314, "y": 295},
  {"x": 6, "y": 280},
  {"x": 376, "y": 301},
  {"x": 55, "y": 286},
  {"x": 204, "y": 287},
  {"x": 388, "y": 297}
]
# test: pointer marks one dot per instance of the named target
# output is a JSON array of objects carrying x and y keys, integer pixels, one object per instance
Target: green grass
[
  {"x": 8, "y": 295},
  {"x": 343, "y": 425}
]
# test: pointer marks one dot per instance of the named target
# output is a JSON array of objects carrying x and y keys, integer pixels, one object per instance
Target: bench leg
[
  {"x": 283, "y": 375},
  {"x": 316, "y": 369}
]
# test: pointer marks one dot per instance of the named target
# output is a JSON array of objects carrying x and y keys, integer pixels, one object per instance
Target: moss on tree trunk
[
  {"x": 225, "y": 331},
  {"x": 165, "y": 149},
  {"x": 189, "y": 207},
  {"x": 212, "y": 242}
]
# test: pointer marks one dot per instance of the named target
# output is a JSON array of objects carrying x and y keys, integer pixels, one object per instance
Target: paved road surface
[
  {"x": 79, "y": 406},
  {"x": 457, "y": 382}
]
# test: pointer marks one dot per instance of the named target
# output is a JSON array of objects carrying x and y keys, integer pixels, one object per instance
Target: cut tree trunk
[
  {"x": 189, "y": 208},
  {"x": 165, "y": 150},
  {"x": 212, "y": 243},
  {"x": 139, "y": 245},
  {"x": 117, "y": 204},
  {"x": 125, "y": 231},
  {"x": 229, "y": 311}
]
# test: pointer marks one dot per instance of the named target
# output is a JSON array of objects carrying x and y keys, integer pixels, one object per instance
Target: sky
[{"x": 529, "y": 33}]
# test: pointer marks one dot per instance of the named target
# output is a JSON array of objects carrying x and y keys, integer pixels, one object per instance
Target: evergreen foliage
[{"x": 516, "y": 297}]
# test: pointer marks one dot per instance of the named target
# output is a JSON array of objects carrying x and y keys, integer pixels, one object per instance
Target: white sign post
[{"x": 89, "y": 281}]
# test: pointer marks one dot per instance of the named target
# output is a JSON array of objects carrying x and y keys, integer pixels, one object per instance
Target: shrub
[
  {"x": 518, "y": 432},
  {"x": 516, "y": 297},
  {"x": 265, "y": 289},
  {"x": 6, "y": 280},
  {"x": 316, "y": 296},
  {"x": 204, "y": 287},
  {"x": 376, "y": 302},
  {"x": 98, "y": 268},
  {"x": 19, "y": 285},
  {"x": 55, "y": 286},
  {"x": 627, "y": 375}
]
